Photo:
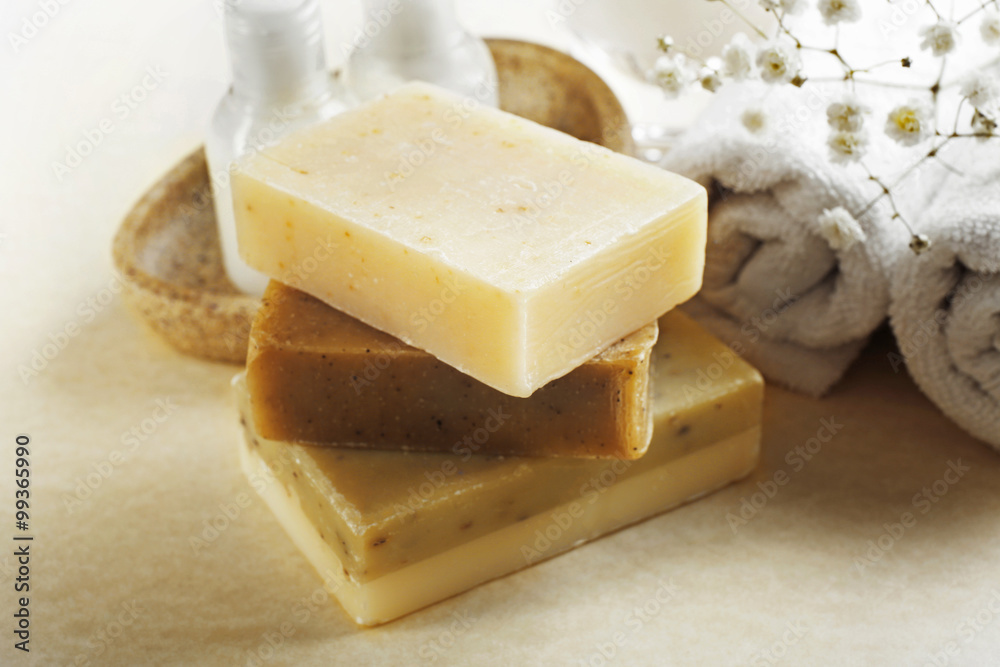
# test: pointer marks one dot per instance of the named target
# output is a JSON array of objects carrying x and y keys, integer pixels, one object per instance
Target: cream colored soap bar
[
  {"x": 391, "y": 532},
  {"x": 508, "y": 250}
]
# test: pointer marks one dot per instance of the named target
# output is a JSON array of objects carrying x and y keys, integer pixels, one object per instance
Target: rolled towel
[
  {"x": 795, "y": 298},
  {"x": 945, "y": 308}
]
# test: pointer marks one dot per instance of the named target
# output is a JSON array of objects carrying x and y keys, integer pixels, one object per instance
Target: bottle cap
[{"x": 276, "y": 46}]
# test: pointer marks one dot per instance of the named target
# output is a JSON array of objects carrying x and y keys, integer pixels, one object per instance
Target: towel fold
[
  {"x": 945, "y": 308},
  {"x": 797, "y": 302}
]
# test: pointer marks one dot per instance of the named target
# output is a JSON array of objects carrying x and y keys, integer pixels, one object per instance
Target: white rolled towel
[
  {"x": 783, "y": 292},
  {"x": 945, "y": 308}
]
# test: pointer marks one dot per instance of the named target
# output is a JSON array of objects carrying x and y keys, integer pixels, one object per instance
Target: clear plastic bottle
[
  {"x": 406, "y": 40},
  {"x": 280, "y": 83}
]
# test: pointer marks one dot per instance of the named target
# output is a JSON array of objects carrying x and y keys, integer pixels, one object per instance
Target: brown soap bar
[{"x": 318, "y": 376}]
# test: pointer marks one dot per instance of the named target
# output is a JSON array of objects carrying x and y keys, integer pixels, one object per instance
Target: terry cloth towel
[
  {"x": 775, "y": 288},
  {"x": 945, "y": 308}
]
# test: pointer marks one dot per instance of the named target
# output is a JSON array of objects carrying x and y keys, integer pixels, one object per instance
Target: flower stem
[{"x": 746, "y": 20}]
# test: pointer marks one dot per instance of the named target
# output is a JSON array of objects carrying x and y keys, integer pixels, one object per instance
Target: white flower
[
  {"x": 786, "y": 6},
  {"x": 737, "y": 57},
  {"x": 847, "y": 146},
  {"x": 839, "y": 11},
  {"x": 754, "y": 119},
  {"x": 982, "y": 90},
  {"x": 778, "y": 62},
  {"x": 839, "y": 228},
  {"x": 990, "y": 27},
  {"x": 909, "y": 123},
  {"x": 848, "y": 115},
  {"x": 710, "y": 80},
  {"x": 983, "y": 126},
  {"x": 941, "y": 38},
  {"x": 670, "y": 75}
]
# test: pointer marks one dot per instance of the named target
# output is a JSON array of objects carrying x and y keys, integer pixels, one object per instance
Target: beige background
[{"x": 116, "y": 580}]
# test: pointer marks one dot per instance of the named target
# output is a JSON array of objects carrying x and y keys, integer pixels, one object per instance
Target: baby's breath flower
[
  {"x": 670, "y": 75},
  {"x": 737, "y": 57},
  {"x": 839, "y": 228},
  {"x": 754, "y": 119},
  {"x": 848, "y": 115},
  {"x": 786, "y": 6},
  {"x": 982, "y": 90},
  {"x": 839, "y": 11},
  {"x": 778, "y": 62},
  {"x": 983, "y": 126},
  {"x": 909, "y": 123},
  {"x": 919, "y": 244},
  {"x": 710, "y": 80},
  {"x": 941, "y": 38},
  {"x": 990, "y": 27},
  {"x": 847, "y": 146}
]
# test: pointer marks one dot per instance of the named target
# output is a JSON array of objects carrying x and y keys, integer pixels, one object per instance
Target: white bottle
[
  {"x": 406, "y": 40},
  {"x": 280, "y": 83}
]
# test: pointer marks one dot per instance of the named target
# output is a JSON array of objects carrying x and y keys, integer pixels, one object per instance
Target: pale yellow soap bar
[
  {"x": 508, "y": 250},
  {"x": 391, "y": 532}
]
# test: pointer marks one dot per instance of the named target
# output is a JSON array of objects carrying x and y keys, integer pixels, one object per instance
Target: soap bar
[
  {"x": 316, "y": 375},
  {"x": 508, "y": 250},
  {"x": 391, "y": 532}
]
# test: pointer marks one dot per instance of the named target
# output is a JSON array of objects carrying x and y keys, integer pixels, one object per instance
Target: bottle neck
[
  {"x": 408, "y": 27},
  {"x": 276, "y": 49}
]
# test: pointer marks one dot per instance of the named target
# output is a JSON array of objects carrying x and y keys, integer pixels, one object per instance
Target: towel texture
[
  {"x": 945, "y": 307},
  {"x": 795, "y": 302}
]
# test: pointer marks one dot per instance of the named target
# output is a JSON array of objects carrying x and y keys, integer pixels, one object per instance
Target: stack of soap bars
[{"x": 468, "y": 358}]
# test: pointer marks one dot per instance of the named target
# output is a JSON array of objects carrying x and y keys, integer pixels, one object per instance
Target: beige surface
[{"x": 735, "y": 594}]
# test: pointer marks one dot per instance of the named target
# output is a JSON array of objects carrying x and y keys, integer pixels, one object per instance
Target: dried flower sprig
[{"x": 913, "y": 123}]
